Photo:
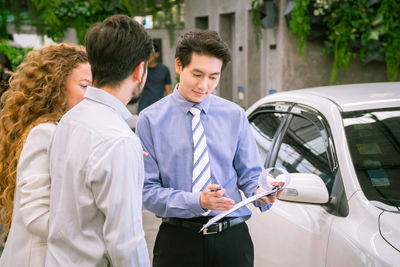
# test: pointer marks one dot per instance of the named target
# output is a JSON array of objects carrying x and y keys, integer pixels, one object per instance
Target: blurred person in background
[
  {"x": 50, "y": 81},
  {"x": 5, "y": 72},
  {"x": 158, "y": 83}
]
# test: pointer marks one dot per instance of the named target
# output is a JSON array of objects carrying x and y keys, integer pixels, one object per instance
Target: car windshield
[{"x": 373, "y": 137}]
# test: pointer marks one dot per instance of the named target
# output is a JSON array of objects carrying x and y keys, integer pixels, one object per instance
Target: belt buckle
[{"x": 207, "y": 232}]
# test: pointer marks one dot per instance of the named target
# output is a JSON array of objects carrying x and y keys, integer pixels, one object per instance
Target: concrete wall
[
  {"x": 218, "y": 13},
  {"x": 275, "y": 64}
]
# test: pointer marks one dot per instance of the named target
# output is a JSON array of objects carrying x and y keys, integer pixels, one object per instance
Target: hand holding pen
[{"x": 212, "y": 198}]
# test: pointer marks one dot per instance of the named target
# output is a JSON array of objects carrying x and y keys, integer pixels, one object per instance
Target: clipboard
[{"x": 268, "y": 190}]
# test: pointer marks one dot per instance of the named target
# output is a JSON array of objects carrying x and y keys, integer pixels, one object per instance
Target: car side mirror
[{"x": 305, "y": 187}]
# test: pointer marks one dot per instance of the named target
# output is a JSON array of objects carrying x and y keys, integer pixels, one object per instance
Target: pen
[{"x": 214, "y": 190}]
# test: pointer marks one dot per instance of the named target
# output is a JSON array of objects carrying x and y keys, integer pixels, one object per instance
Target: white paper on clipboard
[{"x": 264, "y": 184}]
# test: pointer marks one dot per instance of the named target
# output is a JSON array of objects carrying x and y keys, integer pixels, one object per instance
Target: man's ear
[
  {"x": 178, "y": 66},
  {"x": 137, "y": 74}
]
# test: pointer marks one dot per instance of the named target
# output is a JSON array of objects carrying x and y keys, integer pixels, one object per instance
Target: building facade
[{"x": 274, "y": 65}]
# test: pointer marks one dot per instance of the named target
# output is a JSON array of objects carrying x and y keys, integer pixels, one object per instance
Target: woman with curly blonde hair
[{"x": 50, "y": 81}]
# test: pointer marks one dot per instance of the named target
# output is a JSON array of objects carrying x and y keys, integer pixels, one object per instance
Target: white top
[
  {"x": 26, "y": 242},
  {"x": 96, "y": 164}
]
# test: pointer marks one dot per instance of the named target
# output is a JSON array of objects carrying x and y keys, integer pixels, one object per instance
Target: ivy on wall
[
  {"x": 54, "y": 17},
  {"x": 365, "y": 29},
  {"x": 256, "y": 20},
  {"x": 300, "y": 23}
]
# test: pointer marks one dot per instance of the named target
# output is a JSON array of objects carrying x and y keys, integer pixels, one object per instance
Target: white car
[{"x": 341, "y": 145}]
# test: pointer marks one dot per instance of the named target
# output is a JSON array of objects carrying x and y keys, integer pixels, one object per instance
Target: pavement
[{"x": 150, "y": 225}]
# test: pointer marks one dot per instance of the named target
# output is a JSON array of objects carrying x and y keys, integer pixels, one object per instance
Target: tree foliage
[{"x": 54, "y": 17}]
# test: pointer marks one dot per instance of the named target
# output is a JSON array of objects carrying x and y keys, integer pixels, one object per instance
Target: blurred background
[{"x": 277, "y": 45}]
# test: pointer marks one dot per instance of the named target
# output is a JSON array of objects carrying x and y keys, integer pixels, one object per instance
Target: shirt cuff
[
  {"x": 206, "y": 213},
  {"x": 194, "y": 203},
  {"x": 262, "y": 207},
  {"x": 265, "y": 207}
]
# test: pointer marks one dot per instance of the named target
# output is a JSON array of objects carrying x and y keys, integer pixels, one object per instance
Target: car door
[{"x": 296, "y": 234}]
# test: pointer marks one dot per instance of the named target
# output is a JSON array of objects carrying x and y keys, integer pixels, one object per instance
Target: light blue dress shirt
[{"x": 165, "y": 131}]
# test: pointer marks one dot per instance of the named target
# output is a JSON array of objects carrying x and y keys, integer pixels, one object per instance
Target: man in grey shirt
[{"x": 96, "y": 161}]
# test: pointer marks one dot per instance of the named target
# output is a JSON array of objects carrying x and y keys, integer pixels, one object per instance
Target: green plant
[
  {"x": 61, "y": 15},
  {"x": 390, "y": 10},
  {"x": 3, "y": 21},
  {"x": 368, "y": 30},
  {"x": 16, "y": 55},
  {"x": 354, "y": 29},
  {"x": 256, "y": 20},
  {"x": 300, "y": 23},
  {"x": 54, "y": 17}
]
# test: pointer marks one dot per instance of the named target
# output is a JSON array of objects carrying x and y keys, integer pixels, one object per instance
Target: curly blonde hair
[{"x": 37, "y": 94}]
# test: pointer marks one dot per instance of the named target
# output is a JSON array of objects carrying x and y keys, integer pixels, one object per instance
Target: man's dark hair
[
  {"x": 202, "y": 42},
  {"x": 156, "y": 47},
  {"x": 115, "y": 47}
]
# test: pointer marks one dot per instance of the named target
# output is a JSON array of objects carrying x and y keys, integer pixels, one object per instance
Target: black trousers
[{"x": 177, "y": 246}]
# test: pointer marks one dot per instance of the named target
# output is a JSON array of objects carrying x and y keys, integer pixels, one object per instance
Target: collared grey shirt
[{"x": 96, "y": 167}]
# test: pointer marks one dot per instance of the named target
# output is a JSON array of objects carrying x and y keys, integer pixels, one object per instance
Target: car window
[
  {"x": 373, "y": 138},
  {"x": 264, "y": 126},
  {"x": 304, "y": 150}
]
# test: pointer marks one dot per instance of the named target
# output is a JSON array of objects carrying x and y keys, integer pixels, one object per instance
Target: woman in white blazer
[{"x": 50, "y": 81}]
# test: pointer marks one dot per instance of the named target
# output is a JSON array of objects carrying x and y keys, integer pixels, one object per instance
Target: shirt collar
[
  {"x": 185, "y": 105},
  {"x": 107, "y": 99}
]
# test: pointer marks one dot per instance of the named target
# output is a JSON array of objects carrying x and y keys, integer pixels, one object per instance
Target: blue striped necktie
[{"x": 201, "y": 165}]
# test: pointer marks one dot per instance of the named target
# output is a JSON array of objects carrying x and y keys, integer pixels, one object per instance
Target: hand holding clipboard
[{"x": 271, "y": 180}]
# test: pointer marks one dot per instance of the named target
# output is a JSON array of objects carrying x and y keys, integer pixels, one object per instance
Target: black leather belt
[{"x": 212, "y": 229}]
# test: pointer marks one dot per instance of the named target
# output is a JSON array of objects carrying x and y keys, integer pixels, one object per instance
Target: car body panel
[
  {"x": 389, "y": 223},
  {"x": 301, "y": 238},
  {"x": 355, "y": 240}
]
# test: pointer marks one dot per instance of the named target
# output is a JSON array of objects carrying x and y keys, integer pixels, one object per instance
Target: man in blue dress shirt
[{"x": 167, "y": 131}]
